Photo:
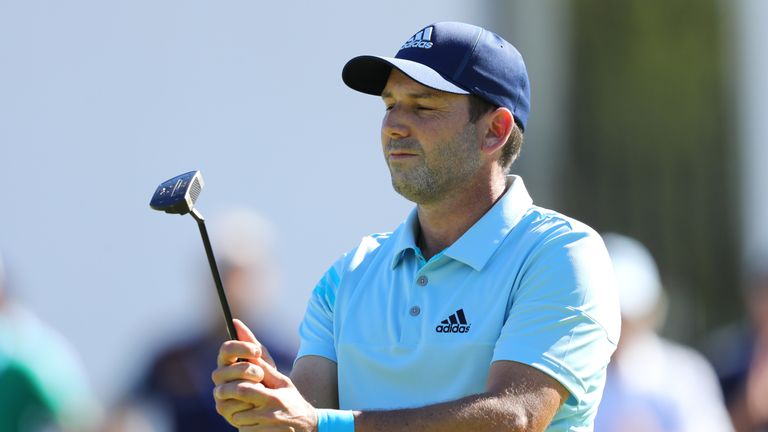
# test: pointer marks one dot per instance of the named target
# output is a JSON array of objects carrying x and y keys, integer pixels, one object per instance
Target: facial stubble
[{"x": 434, "y": 176}]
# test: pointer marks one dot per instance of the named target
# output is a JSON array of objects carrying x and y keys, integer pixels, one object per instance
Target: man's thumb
[
  {"x": 272, "y": 377},
  {"x": 243, "y": 332}
]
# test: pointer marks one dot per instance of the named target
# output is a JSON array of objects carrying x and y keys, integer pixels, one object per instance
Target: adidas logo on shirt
[
  {"x": 456, "y": 323},
  {"x": 421, "y": 39}
]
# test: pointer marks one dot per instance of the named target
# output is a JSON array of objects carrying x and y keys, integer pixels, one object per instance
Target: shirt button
[
  {"x": 415, "y": 311},
  {"x": 422, "y": 280}
]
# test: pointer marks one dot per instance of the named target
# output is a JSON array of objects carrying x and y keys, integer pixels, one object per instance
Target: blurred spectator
[
  {"x": 653, "y": 384},
  {"x": 740, "y": 354},
  {"x": 176, "y": 391},
  {"x": 42, "y": 382}
]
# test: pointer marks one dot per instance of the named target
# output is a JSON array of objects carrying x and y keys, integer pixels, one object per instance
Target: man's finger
[
  {"x": 238, "y": 371},
  {"x": 261, "y": 417},
  {"x": 231, "y": 351},
  {"x": 228, "y": 407},
  {"x": 263, "y": 428},
  {"x": 242, "y": 390}
]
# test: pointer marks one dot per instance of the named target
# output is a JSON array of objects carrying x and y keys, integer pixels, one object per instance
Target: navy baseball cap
[{"x": 456, "y": 58}]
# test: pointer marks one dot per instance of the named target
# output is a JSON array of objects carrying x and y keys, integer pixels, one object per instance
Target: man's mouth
[{"x": 401, "y": 154}]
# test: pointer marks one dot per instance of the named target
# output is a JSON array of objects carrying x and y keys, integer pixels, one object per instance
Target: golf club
[{"x": 178, "y": 196}]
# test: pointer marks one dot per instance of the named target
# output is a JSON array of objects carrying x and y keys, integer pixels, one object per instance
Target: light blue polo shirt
[{"x": 524, "y": 284}]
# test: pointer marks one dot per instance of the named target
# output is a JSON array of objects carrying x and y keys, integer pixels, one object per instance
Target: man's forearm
[
  {"x": 519, "y": 398},
  {"x": 479, "y": 412}
]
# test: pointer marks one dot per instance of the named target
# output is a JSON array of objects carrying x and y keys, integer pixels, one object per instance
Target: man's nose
[{"x": 394, "y": 124}]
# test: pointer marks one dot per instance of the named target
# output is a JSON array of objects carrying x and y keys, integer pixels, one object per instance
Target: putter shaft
[{"x": 215, "y": 272}]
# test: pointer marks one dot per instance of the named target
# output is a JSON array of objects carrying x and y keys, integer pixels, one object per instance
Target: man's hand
[{"x": 252, "y": 395}]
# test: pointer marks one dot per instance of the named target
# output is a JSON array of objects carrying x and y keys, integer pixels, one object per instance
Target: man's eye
[
  {"x": 423, "y": 108},
  {"x": 388, "y": 107}
]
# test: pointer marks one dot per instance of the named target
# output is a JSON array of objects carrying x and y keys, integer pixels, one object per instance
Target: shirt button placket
[{"x": 412, "y": 333}]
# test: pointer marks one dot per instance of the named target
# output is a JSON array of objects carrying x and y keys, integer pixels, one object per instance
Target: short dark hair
[{"x": 478, "y": 107}]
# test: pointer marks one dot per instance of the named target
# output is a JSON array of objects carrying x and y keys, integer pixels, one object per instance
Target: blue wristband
[{"x": 330, "y": 420}]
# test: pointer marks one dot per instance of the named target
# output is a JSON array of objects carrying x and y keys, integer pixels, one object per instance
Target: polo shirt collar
[
  {"x": 405, "y": 237},
  {"x": 480, "y": 242}
]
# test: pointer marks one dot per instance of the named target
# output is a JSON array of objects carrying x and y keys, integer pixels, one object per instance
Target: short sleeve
[
  {"x": 316, "y": 330},
  {"x": 563, "y": 317}
]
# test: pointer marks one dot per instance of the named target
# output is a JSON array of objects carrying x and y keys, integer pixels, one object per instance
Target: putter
[{"x": 178, "y": 196}]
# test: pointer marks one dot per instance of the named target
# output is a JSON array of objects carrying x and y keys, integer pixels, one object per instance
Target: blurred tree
[{"x": 652, "y": 153}]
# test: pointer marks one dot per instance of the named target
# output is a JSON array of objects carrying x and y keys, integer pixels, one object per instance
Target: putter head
[{"x": 178, "y": 195}]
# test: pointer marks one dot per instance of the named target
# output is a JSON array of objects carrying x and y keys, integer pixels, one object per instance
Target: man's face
[{"x": 430, "y": 146}]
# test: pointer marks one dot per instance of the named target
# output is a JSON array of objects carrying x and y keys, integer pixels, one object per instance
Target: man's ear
[{"x": 500, "y": 125}]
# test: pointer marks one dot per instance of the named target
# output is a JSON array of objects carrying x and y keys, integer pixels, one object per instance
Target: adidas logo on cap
[
  {"x": 456, "y": 323},
  {"x": 422, "y": 39}
]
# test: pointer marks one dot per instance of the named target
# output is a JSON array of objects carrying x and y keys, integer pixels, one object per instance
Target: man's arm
[
  {"x": 316, "y": 379},
  {"x": 518, "y": 397},
  {"x": 256, "y": 396}
]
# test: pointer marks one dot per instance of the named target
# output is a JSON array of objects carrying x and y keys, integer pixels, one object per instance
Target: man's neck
[{"x": 442, "y": 223}]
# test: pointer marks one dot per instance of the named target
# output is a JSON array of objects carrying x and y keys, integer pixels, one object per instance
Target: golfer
[{"x": 481, "y": 312}]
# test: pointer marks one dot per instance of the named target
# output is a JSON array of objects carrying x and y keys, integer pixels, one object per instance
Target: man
[{"x": 481, "y": 311}]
